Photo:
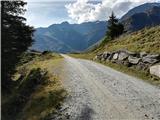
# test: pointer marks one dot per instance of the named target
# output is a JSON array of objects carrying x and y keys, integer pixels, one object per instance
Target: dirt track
[{"x": 97, "y": 92}]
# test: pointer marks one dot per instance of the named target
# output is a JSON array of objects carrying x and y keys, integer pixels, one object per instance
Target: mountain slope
[
  {"x": 147, "y": 40},
  {"x": 146, "y": 15},
  {"x": 139, "y": 9},
  {"x": 67, "y": 37}
]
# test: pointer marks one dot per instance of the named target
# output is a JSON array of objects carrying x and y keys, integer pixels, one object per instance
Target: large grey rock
[
  {"x": 133, "y": 60},
  {"x": 142, "y": 66},
  {"x": 106, "y": 55},
  {"x": 111, "y": 56},
  {"x": 155, "y": 56},
  {"x": 142, "y": 54},
  {"x": 128, "y": 52},
  {"x": 155, "y": 70},
  {"x": 123, "y": 56},
  {"x": 131, "y": 53},
  {"x": 152, "y": 59},
  {"x": 99, "y": 56},
  {"x": 126, "y": 63},
  {"x": 115, "y": 56}
]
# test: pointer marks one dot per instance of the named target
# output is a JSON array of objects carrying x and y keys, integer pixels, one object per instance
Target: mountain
[
  {"x": 145, "y": 15},
  {"x": 139, "y": 9},
  {"x": 67, "y": 37}
]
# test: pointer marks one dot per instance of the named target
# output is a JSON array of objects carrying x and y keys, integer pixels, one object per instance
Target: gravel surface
[{"x": 97, "y": 92}]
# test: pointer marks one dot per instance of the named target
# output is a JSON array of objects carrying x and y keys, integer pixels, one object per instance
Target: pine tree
[
  {"x": 16, "y": 37},
  {"x": 114, "y": 27}
]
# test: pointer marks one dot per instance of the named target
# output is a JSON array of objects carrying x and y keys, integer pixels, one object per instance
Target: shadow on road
[{"x": 86, "y": 113}]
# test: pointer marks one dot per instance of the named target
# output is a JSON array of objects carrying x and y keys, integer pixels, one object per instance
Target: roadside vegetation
[
  {"x": 30, "y": 88},
  {"x": 145, "y": 40},
  {"x": 38, "y": 93},
  {"x": 16, "y": 38}
]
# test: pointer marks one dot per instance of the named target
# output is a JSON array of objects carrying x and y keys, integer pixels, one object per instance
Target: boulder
[
  {"x": 111, "y": 56},
  {"x": 133, "y": 60},
  {"x": 106, "y": 55},
  {"x": 115, "y": 56},
  {"x": 126, "y": 63},
  {"x": 142, "y": 54},
  {"x": 103, "y": 59},
  {"x": 123, "y": 56},
  {"x": 142, "y": 66},
  {"x": 155, "y": 56},
  {"x": 131, "y": 53},
  {"x": 99, "y": 56},
  {"x": 155, "y": 70},
  {"x": 119, "y": 62},
  {"x": 95, "y": 58},
  {"x": 128, "y": 52},
  {"x": 152, "y": 59}
]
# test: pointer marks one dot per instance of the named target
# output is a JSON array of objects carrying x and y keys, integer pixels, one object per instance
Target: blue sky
[{"x": 42, "y": 13}]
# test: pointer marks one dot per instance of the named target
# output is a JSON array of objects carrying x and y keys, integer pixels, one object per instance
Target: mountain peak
[{"x": 65, "y": 23}]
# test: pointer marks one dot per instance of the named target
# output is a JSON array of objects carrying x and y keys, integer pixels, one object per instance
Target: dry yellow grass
[
  {"x": 47, "y": 97},
  {"x": 147, "y": 40}
]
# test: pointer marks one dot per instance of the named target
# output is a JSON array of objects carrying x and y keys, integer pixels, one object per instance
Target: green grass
[
  {"x": 144, "y": 75},
  {"x": 147, "y": 40}
]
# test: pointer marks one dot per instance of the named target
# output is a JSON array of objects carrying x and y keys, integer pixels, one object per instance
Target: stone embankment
[{"x": 140, "y": 61}]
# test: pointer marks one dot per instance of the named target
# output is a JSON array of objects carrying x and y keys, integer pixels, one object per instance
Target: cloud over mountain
[{"x": 84, "y": 10}]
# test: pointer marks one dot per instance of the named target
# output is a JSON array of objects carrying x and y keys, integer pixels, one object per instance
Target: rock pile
[{"x": 142, "y": 60}]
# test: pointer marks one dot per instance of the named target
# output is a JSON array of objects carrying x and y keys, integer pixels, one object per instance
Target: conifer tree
[
  {"x": 114, "y": 27},
  {"x": 16, "y": 37}
]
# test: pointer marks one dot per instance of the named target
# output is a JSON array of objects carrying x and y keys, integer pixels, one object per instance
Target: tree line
[{"x": 16, "y": 37}]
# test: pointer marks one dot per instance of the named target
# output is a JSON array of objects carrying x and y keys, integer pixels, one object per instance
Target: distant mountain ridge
[
  {"x": 67, "y": 37},
  {"x": 146, "y": 15}
]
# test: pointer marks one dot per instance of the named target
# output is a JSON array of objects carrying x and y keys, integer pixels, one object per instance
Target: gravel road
[{"x": 97, "y": 92}]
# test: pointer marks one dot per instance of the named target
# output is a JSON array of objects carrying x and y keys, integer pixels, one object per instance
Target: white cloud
[{"x": 83, "y": 10}]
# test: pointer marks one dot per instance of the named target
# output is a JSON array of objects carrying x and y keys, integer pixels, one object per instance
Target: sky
[{"x": 42, "y": 13}]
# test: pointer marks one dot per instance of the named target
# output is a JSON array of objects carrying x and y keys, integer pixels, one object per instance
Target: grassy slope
[
  {"x": 47, "y": 97},
  {"x": 147, "y": 40}
]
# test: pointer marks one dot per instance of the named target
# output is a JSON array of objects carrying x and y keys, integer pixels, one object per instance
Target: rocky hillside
[
  {"x": 136, "y": 54},
  {"x": 146, "y": 15},
  {"x": 139, "y": 51},
  {"x": 139, "y": 61},
  {"x": 139, "y": 9}
]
